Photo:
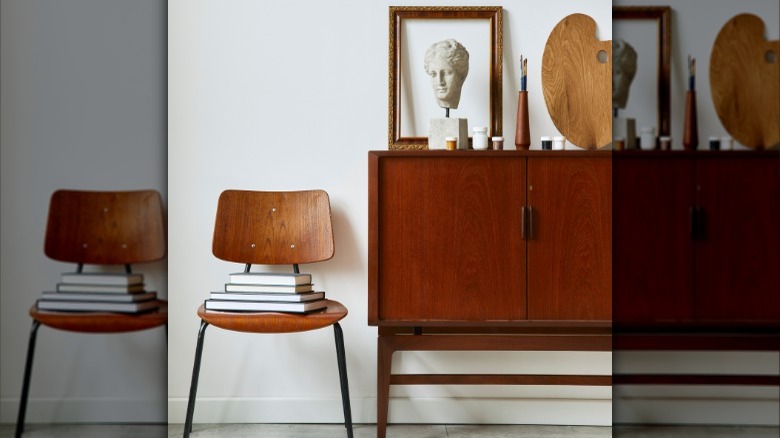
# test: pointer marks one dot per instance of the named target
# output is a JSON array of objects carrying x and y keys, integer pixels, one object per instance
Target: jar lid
[
  {"x": 713, "y": 138},
  {"x": 559, "y": 138},
  {"x": 497, "y": 138},
  {"x": 546, "y": 138},
  {"x": 479, "y": 129},
  {"x": 450, "y": 138},
  {"x": 665, "y": 138}
]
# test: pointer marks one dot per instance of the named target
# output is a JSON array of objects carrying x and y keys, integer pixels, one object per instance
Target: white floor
[{"x": 394, "y": 431}]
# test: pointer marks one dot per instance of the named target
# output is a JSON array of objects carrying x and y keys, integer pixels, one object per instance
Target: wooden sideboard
[
  {"x": 489, "y": 250},
  {"x": 696, "y": 255}
]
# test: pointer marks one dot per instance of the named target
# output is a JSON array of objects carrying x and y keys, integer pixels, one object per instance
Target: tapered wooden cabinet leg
[
  {"x": 194, "y": 384},
  {"x": 384, "y": 369}
]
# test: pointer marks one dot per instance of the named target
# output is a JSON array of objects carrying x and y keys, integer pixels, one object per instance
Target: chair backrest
[
  {"x": 273, "y": 228},
  {"x": 102, "y": 227}
]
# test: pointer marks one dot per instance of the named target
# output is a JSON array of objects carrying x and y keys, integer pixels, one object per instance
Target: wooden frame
[
  {"x": 429, "y": 20},
  {"x": 662, "y": 16}
]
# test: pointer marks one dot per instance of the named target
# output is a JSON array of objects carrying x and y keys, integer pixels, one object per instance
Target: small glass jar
[
  {"x": 647, "y": 138},
  {"x": 451, "y": 143},
  {"x": 547, "y": 143},
  {"x": 665, "y": 142},
  {"x": 559, "y": 143},
  {"x": 498, "y": 143},
  {"x": 714, "y": 143},
  {"x": 726, "y": 143},
  {"x": 479, "y": 138}
]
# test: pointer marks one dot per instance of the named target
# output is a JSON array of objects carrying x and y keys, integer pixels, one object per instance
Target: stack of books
[
  {"x": 267, "y": 292},
  {"x": 99, "y": 292}
]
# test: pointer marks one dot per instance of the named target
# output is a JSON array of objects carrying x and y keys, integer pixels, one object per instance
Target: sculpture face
[
  {"x": 623, "y": 71},
  {"x": 446, "y": 87},
  {"x": 447, "y": 64}
]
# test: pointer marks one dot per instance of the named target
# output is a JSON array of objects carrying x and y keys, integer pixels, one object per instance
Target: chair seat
[
  {"x": 274, "y": 322},
  {"x": 102, "y": 322}
]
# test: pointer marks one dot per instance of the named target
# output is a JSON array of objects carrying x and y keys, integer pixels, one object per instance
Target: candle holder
[
  {"x": 690, "y": 129},
  {"x": 522, "y": 131}
]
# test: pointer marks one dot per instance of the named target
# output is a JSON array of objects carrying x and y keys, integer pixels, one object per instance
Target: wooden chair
[
  {"x": 273, "y": 228},
  {"x": 100, "y": 228}
]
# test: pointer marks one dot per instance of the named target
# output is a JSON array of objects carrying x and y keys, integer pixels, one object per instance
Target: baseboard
[
  {"x": 591, "y": 412},
  {"x": 85, "y": 410}
]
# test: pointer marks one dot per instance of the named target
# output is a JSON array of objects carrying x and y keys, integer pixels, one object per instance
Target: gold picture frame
[
  {"x": 659, "y": 53},
  {"x": 411, "y": 30}
]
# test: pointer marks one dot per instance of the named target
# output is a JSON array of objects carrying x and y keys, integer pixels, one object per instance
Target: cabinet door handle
[
  {"x": 701, "y": 224},
  {"x": 697, "y": 223},
  {"x": 530, "y": 222},
  {"x": 523, "y": 232}
]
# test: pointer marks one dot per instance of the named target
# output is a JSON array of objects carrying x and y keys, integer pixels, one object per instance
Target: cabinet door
[
  {"x": 737, "y": 259},
  {"x": 570, "y": 245},
  {"x": 652, "y": 241},
  {"x": 449, "y": 244}
]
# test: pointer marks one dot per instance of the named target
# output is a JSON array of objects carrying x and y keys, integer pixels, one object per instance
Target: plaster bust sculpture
[
  {"x": 447, "y": 64},
  {"x": 623, "y": 71}
]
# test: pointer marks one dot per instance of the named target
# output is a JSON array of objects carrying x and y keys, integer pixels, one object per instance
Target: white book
[
  {"x": 265, "y": 306},
  {"x": 269, "y": 278},
  {"x": 269, "y": 288},
  {"x": 96, "y": 306},
  {"x": 100, "y": 288},
  {"x": 106, "y": 278},
  {"x": 100, "y": 297},
  {"x": 291, "y": 298}
]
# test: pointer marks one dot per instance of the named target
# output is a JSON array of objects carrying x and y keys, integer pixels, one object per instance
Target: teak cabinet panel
[
  {"x": 697, "y": 241},
  {"x": 737, "y": 258},
  {"x": 476, "y": 237},
  {"x": 570, "y": 246},
  {"x": 653, "y": 263},
  {"x": 450, "y": 227}
]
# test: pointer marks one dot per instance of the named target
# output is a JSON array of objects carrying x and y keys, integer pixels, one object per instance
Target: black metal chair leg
[
  {"x": 194, "y": 384},
  {"x": 342, "y": 360},
  {"x": 26, "y": 383}
]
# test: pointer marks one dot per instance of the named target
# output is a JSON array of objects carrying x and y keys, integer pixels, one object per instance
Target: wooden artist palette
[
  {"x": 577, "y": 82},
  {"x": 745, "y": 82}
]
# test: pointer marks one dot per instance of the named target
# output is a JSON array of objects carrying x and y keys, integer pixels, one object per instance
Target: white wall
[
  {"x": 83, "y": 99},
  {"x": 289, "y": 95},
  {"x": 695, "y": 24}
]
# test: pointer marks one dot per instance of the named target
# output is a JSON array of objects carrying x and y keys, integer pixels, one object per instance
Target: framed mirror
[{"x": 646, "y": 29}]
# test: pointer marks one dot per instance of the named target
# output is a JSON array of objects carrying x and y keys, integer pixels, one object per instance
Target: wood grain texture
[
  {"x": 274, "y": 322},
  {"x": 570, "y": 248},
  {"x": 101, "y": 322},
  {"x": 721, "y": 281},
  {"x": 577, "y": 86},
  {"x": 102, "y": 227},
  {"x": 745, "y": 87},
  {"x": 498, "y": 379},
  {"x": 448, "y": 228},
  {"x": 765, "y": 340},
  {"x": 273, "y": 227},
  {"x": 448, "y": 267},
  {"x": 652, "y": 249},
  {"x": 736, "y": 262}
]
